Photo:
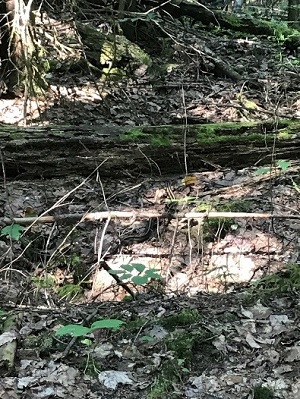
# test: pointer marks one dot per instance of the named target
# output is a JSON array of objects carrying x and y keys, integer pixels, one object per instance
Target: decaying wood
[{"x": 57, "y": 151}]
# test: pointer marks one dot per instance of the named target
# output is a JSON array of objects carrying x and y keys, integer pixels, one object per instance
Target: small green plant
[
  {"x": 14, "y": 231},
  {"x": 280, "y": 164},
  {"x": 261, "y": 392},
  {"x": 185, "y": 318},
  {"x": 296, "y": 186},
  {"x": 76, "y": 330},
  {"x": 46, "y": 281},
  {"x": 180, "y": 363},
  {"x": 144, "y": 275},
  {"x": 69, "y": 291},
  {"x": 282, "y": 282}
]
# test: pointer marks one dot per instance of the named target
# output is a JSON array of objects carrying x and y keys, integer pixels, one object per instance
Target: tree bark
[{"x": 66, "y": 150}]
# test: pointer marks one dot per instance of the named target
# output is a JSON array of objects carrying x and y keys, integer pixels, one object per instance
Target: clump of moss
[
  {"x": 186, "y": 317},
  {"x": 261, "y": 392},
  {"x": 285, "y": 281}
]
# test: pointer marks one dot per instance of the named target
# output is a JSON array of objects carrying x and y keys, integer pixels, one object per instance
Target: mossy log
[{"x": 65, "y": 150}]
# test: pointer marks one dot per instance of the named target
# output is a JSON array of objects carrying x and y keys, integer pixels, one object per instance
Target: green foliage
[
  {"x": 186, "y": 317},
  {"x": 296, "y": 186},
  {"x": 2, "y": 313},
  {"x": 280, "y": 164},
  {"x": 76, "y": 330},
  {"x": 235, "y": 206},
  {"x": 149, "y": 16},
  {"x": 132, "y": 135},
  {"x": 261, "y": 392},
  {"x": 47, "y": 281},
  {"x": 282, "y": 282},
  {"x": 69, "y": 291},
  {"x": 14, "y": 231},
  {"x": 128, "y": 272},
  {"x": 182, "y": 345},
  {"x": 172, "y": 371},
  {"x": 161, "y": 388}
]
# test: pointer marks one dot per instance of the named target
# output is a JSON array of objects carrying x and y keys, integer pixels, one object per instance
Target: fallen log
[{"x": 56, "y": 151}]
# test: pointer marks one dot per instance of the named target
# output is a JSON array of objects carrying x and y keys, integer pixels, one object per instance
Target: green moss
[
  {"x": 235, "y": 206},
  {"x": 231, "y": 132},
  {"x": 163, "y": 385},
  {"x": 160, "y": 141},
  {"x": 113, "y": 74},
  {"x": 207, "y": 138},
  {"x": 216, "y": 228},
  {"x": 132, "y": 135},
  {"x": 232, "y": 20},
  {"x": 261, "y": 392},
  {"x": 188, "y": 348},
  {"x": 185, "y": 318},
  {"x": 132, "y": 327},
  {"x": 44, "y": 342},
  {"x": 182, "y": 345},
  {"x": 188, "y": 345},
  {"x": 284, "y": 134},
  {"x": 282, "y": 282}
]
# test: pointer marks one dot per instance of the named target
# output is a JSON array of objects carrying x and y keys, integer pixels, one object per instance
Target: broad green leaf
[
  {"x": 107, "y": 323},
  {"x": 147, "y": 338},
  {"x": 284, "y": 165},
  {"x": 2, "y": 312},
  {"x": 262, "y": 171},
  {"x": 13, "y": 230},
  {"x": 140, "y": 280},
  {"x": 87, "y": 342},
  {"x": 128, "y": 268},
  {"x": 139, "y": 267},
  {"x": 74, "y": 330},
  {"x": 152, "y": 274}
]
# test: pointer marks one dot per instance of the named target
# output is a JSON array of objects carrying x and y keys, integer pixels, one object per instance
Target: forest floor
[{"x": 222, "y": 322}]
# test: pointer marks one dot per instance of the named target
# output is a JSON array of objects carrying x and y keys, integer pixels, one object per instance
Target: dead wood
[{"x": 48, "y": 152}]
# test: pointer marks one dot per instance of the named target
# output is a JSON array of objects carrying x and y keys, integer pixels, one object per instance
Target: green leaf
[
  {"x": 262, "y": 171},
  {"x": 86, "y": 342},
  {"x": 74, "y": 330},
  {"x": 147, "y": 338},
  {"x": 125, "y": 276},
  {"x": 284, "y": 165},
  {"x": 128, "y": 268},
  {"x": 180, "y": 362},
  {"x": 295, "y": 185},
  {"x": 140, "y": 280},
  {"x": 2, "y": 312},
  {"x": 107, "y": 323},
  {"x": 13, "y": 230},
  {"x": 152, "y": 273},
  {"x": 139, "y": 267}
]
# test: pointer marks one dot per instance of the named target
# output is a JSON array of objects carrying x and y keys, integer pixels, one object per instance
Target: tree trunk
[
  {"x": 20, "y": 61},
  {"x": 59, "y": 151}
]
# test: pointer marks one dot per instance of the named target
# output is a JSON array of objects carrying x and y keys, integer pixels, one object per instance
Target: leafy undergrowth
[{"x": 244, "y": 344}]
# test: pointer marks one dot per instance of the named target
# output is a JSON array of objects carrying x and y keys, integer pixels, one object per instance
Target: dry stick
[
  {"x": 106, "y": 267},
  {"x": 93, "y": 216}
]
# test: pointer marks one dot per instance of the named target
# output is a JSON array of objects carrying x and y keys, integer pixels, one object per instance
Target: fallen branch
[{"x": 142, "y": 214}]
